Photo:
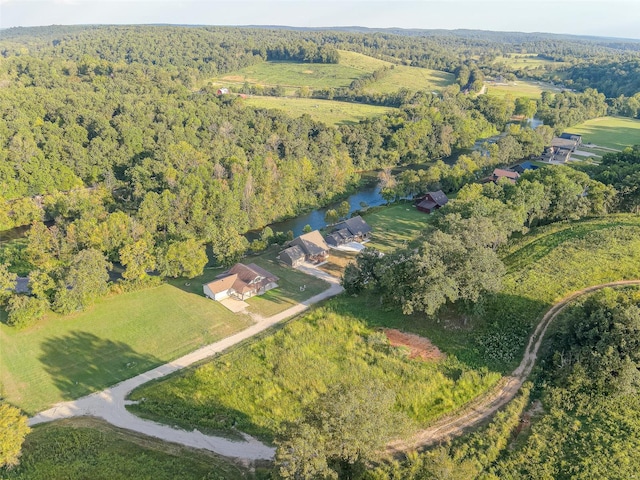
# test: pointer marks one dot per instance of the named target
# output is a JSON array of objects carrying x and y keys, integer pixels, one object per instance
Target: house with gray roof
[
  {"x": 356, "y": 227},
  {"x": 313, "y": 245}
]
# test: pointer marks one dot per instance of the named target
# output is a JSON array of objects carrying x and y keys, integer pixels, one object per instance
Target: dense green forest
[{"x": 112, "y": 135}]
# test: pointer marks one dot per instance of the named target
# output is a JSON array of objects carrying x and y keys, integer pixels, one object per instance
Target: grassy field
[
  {"x": 352, "y": 66},
  {"x": 411, "y": 78},
  {"x": 520, "y": 88},
  {"x": 331, "y": 112},
  {"x": 86, "y": 448},
  {"x": 395, "y": 225},
  {"x": 526, "y": 61},
  {"x": 292, "y": 74},
  {"x": 62, "y": 358},
  {"x": 610, "y": 132},
  {"x": 257, "y": 387}
]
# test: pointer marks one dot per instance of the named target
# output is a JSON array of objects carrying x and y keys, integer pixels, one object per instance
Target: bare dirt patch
[
  {"x": 419, "y": 347},
  {"x": 308, "y": 71}
]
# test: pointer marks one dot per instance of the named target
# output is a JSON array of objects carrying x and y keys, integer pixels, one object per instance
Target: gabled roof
[
  {"x": 311, "y": 243},
  {"x": 249, "y": 273},
  {"x": 356, "y": 225},
  {"x": 222, "y": 284},
  {"x": 339, "y": 236},
  {"x": 439, "y": 198},
  {"x": 427, "y": 204},
  {"x": 499, "y": 173},
  {"x": 294, "y": 253}
]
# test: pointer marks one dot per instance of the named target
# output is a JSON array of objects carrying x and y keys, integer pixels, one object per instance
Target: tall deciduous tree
[
  {"x": 340, "y": 433},
  {"x": 83, "y": 281},
  {"x": 13, "y": 430},
  {"x": 182, "y": 259}
]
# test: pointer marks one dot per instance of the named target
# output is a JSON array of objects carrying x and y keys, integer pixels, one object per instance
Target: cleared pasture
[
  {"x": 610, "y": 132},
  {"x": 330, "y": 112}
]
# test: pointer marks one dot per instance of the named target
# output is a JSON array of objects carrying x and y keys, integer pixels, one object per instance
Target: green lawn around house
[
  {"x": 87, "y": 448},
  {"x": 331, "y": 112},
  {"x": 61, "y": 358},
  {"x": 274, "y": 301},
  {"x": 395, "y": 225},
  {"x": 610, "y": 132}
]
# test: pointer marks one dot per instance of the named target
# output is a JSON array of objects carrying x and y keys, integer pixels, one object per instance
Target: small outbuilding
[
  {"x": 432, "y": 201},
  {"x": 222, "y": 91}
]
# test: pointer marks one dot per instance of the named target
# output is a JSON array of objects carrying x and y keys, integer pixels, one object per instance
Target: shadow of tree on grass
[{"x": 80, "y": 363}]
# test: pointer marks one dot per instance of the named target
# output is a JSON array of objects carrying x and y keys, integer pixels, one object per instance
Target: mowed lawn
[
  {"x": 395, "y": 226},
  {"x": 610, "y": 132},
  {"x": 331, "y": 112},
  {"x": 62, "y": 358}
]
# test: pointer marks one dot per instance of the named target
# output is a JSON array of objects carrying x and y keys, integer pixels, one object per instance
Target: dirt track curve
[
  {"x": 110, "y": 404},
  {"x": 485, "y": 406}
]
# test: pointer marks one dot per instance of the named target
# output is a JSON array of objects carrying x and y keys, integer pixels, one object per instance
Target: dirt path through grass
[
  {"x": 110, "y": 404},
  {"x": 485, "y": 406}
]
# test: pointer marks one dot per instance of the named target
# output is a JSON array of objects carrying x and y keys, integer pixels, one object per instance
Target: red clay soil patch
[{"x": 419, "y": 347}]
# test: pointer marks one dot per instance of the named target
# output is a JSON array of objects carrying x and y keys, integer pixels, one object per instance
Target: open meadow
[
  {"x": 331, "y": 112},
  {"x": 87, "y": 448},
  {"x": 526, "y": 61},
  {"x": 293, "y": 74},
  {"x": 351, "y": 66},
  {"x": 610, "y": 132},
  {"x": 66, "y": 357},
  {"x": 259, "y": 385},
  {"x": 520, "y": 88}
]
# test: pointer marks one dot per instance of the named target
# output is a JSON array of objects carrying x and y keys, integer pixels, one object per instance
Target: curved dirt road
[
  {"x": 485, "y": 406},
  {"x": 110, "y": 404}
]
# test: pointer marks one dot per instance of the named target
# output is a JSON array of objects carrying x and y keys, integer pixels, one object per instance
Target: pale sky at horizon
[{"x": 616, "y": 18}]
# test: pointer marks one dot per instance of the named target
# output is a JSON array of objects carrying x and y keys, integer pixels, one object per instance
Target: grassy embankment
[
  {"x": 61, "y": 358},
  {"x": 85, "y": 448},
  {"x": 258, "y": 386}
]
